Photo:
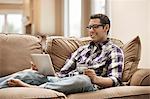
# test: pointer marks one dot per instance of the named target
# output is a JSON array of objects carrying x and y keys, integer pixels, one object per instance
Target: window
[
  {"x": 98, "y": 6},
  {"x": 11, "y": 23},
  {"x": 75, "y": 17},
  {"x": 72, "y": 14},
  {"x": 2, "y": 23},
  {"x": 72, "y": 18}
]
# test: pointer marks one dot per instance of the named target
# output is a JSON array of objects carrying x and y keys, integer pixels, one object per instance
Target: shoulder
[{"x": 113, "y": 48}]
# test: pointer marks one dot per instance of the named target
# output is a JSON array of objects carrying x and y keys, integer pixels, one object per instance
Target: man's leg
[
  {"x": 28, "y": 76},
  {"x": 68, "y": 85}
]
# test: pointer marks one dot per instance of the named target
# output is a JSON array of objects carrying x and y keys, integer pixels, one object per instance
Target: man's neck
[{"x": 100, "y": 41}]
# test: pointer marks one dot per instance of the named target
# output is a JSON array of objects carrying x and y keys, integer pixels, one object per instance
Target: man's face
[{"x": 97, "y": 32}]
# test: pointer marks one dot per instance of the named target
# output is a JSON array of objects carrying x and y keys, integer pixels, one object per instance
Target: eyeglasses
[{"x": 95, "y": 26}]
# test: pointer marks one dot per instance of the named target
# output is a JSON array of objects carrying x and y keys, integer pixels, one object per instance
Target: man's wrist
[{"x": 96, "y": 79}]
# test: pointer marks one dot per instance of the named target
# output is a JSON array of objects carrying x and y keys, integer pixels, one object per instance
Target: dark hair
[{"x": 103, "y": 19}]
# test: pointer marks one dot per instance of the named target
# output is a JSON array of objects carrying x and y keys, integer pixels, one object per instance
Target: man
[{"x": 103, "y": 59}]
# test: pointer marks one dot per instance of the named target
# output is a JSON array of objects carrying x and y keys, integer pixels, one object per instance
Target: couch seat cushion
[
  {"x": 114, "y": 92},
  {"x": 29, "y": 93}
]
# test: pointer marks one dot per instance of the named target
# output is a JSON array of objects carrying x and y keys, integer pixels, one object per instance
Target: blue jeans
[
  {"x": 67, "y": 85},
  {"x": 28, "y": 76}
]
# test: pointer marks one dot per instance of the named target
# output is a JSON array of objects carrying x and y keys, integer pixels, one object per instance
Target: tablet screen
[{"x": 43, "y": 63}]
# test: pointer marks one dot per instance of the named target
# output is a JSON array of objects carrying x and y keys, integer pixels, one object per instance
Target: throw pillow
[
  {"x": 132, "y": 54},
  {"x": 60, "y": 49}
]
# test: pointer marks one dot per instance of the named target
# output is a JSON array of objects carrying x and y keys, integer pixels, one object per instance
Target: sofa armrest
[{"x": 141, "y": 77}]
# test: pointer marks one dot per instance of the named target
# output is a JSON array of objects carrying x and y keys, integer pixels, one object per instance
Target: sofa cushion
[
  {"x": 15, "y": 52},
  {"x": 30, "y": 93},
  {"x": 122, "y": 92},
  {"x": 60, "y": 49},
  {"x": 132, "y": 54}
]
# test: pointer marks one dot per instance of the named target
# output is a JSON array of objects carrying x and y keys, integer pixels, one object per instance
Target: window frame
[{"x": 6, "y": 13}]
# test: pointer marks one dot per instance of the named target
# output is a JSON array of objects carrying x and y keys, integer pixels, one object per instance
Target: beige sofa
[{"x": 15, "y": 53}]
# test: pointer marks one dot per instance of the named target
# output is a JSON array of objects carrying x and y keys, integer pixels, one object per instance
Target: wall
[
  {"x": 129, "y": 19},
  {"x": 148, "y": 23},
  {"x": 47, "y": 16}
]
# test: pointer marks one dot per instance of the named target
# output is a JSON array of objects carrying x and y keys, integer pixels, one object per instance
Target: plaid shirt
[{"x": 106, "y": 58}]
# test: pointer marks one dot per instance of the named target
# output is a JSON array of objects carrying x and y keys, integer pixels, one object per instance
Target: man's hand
[
  {"x": 33, "y": 67},
  {"x": 91, "y": 74},
  {"x": 98, "y": 80}
]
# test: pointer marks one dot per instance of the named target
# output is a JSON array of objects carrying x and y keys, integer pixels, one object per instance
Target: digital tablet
[{"x": 43, "y": 63}]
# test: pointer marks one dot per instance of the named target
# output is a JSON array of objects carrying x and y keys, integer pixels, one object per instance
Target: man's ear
[{"x": 106, "y": 27}]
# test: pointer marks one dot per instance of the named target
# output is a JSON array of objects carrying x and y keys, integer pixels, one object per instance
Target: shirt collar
[{"x": 98, "y": 44}]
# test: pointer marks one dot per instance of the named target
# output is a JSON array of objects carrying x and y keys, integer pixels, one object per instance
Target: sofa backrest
[{"x": 15, "y": 52}]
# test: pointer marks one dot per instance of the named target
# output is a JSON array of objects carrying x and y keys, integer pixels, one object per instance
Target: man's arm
[
  {"x": 114, "y": 72},
  {"x": 98, "y": 80}
]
